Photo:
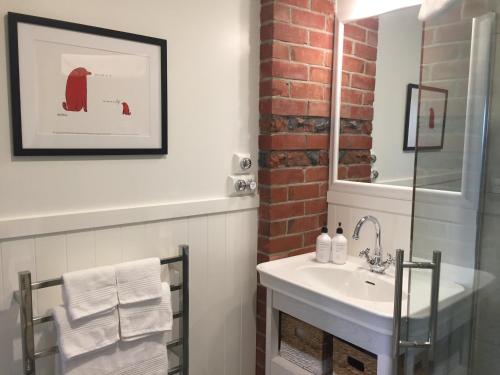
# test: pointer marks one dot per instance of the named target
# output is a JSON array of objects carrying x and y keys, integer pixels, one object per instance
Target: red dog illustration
[
  {"x": 126, "y": 109},
  {"x": 76, "y": 90}
]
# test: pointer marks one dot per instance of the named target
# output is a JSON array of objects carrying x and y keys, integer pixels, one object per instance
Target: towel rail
[{"x": 25, "y": 299}]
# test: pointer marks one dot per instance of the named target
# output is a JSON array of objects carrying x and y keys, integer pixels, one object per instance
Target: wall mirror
[{"x": 393, "y": 72}]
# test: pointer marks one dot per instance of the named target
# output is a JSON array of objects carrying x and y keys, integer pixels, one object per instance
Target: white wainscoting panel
[{"x": 222, "y": 283}]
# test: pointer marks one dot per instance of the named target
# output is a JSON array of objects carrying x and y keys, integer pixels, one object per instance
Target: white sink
[
  {"x": 356, "y": 305},
  {"x": 351, "y": 290}
]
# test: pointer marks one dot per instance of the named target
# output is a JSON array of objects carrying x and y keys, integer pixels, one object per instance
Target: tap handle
[{"x": 364, "y": 253}]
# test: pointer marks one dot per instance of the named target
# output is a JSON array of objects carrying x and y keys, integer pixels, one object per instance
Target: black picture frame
[
  {"x": 412, "y": 117},
  {"x": 13, "y": 20}
]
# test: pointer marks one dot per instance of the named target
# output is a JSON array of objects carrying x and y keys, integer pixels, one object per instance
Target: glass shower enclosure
[{"x": 449, "y": 305}]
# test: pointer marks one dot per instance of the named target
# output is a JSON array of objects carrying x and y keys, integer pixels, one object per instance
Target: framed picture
[
  {"x": 430, "y": 117},
  {"x": 84, "y": 90}
]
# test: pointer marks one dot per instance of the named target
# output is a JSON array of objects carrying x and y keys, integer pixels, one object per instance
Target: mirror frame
[{"x": 467, "y": 199}]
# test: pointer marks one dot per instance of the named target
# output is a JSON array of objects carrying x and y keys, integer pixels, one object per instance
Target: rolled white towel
[
  {"x": 147, "y": 356},
  {"x": 85, "y": 335},
  {"x": 147, "y": 317},
  {"x": 139, "y": 280},
  {"x": 89, "y": 292}
]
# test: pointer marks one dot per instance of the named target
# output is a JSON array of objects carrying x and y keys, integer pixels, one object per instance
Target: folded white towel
[
  {"x": 89, "y": 292},
  {"x": 147, "y": 356},
  {"x": 138, "y": 280},
  {"x": 77, "y": 337},
  {"x": 143, "y": 318}
]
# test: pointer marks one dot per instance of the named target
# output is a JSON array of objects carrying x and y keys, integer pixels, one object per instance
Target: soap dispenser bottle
[
  {"x": 323, "y": 246},
  {"x": 339, "y": 247}
]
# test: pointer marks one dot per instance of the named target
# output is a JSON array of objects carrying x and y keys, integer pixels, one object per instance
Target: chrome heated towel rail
[{"x": 25, "y": 299}]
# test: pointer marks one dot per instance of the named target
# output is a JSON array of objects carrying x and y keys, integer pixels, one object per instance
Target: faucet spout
[{"x": 378, "y": 232}]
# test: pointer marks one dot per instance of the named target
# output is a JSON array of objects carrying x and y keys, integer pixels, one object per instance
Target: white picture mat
[{"x": 37, "y": 129}]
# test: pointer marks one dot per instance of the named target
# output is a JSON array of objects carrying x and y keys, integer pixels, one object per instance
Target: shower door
[{"x": 441, "y": 282}]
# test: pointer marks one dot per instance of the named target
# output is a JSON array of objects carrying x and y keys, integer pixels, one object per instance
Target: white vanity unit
[{"x": 351, "y": 303}]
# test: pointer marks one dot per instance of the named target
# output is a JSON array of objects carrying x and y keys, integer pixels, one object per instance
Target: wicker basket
[
  {"x": 351, "y": 360},
  {"x": 309, "y": 340}
]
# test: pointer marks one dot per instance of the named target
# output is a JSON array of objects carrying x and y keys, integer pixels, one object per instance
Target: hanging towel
[
  {"x": 138, "y": 280},
  {"x": 89, "y": 292},
  {"x": 77, "y": 337},
  {"x": 431, "y": 8},
  {"x": 143, "y": 318},
  {"x": 147, "y": 356}
]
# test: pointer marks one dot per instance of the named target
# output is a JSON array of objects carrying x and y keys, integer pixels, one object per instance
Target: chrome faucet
[{"x": 377, "y": 264}]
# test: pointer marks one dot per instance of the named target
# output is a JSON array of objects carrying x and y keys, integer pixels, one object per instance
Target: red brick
[
  {"x": 310, "y": 238},
  {"x": 327, "y": 93},
  {"x": 328, "y": 59},
  {"x": 302, "y": 224},
  {"x": 352, "y": 64},
  {"x": 317, "y": 174},
  {"x": 363, "y": 82},
  {"x": 281, "y": 176},
  {"x": 261, "y": 293},
  {"x": 288, "y": 107},
  {"x": 368, "y": 98},
  {"x": 265, "y": 106},
  {"x": 274, "y": 87},
  {"x": 275, "y": 11},
  {"x": 282, "y": 142},
  {"x": 306, "y": 90},
  {"x": 297, "y": 3},
  {"x": 351, "y": 96},
  {"x": 359, "y": 171},
  {"x": 365, "y": 51},
  {"x": 304, "y": 250},
  {"x": 321, "y": 109},
  {"x": 330, "y": 25},
  {"x": 354, "y": 32},
  {"x": 307, "y": 55},
  {"x": 322, "y": 75},
  {"x": 273, "y": 194},
  {"x": 371, "y": 68},
  {"x": 261, "y": 339},
  {"x": 264, "y": 257},
  {"x": 266, "y": 32},
  {"x": 284, "y": 69},
  {"x": 316, "y": 206},
  {"x": 341, "y": 172},
  {"x": 370, "y": 23},
  {"x": 279, "y": 244},
  {"x": 301, "y": 192},
  {"x": 355, "y": 142},
  {"x": 362, "y": 113},
  {"x": 318, "y": 142},
  {"x": 322, "y": 6},
  {"x": 261, "y": 326},
  {"x": 286, "y": 210},
  {"x": 321, "y": 40},
  {"x": 266, "y": 69},
  {"x": 288, "y": 33},
  {"x": 348, "y": 46},
  {"x": 308, "y": 19},
  {"x": 323, "y": 189},
  {"x": 277, "y": 228},
  {"x": 346, "y": 79},
  {"x": 273, "y": 50},
  {"x": 372, "y": 38}
]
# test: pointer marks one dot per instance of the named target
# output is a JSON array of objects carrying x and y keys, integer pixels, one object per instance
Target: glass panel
[{"x": 452, "y": 127}]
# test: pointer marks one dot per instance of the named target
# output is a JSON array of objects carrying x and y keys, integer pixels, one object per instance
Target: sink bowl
[{"x": 359, "y": 283}]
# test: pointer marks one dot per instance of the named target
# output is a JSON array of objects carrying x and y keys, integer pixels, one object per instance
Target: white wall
[
  {"x": 62, "y": 214},
  {"x": 398, "y": 64},
  {"x": 213, "y": 62}
]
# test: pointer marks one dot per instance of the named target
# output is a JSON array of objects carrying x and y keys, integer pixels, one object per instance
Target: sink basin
[
  {"x": 351, "y": 291},
  {"x": 359, "y": 283}
]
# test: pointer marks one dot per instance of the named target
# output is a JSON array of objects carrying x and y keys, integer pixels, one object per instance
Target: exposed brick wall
[
  {"x": 358, "y": 87},
  {"x": 295, "y": 103}
]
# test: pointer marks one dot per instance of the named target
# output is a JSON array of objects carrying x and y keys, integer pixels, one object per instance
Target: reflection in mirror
[{"x": 381, "y": 65}]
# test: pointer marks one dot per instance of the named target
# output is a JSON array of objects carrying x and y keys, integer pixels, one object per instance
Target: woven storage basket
[
  {"x": 307, "y": 339},
  {"x": 351, "y": 360}
]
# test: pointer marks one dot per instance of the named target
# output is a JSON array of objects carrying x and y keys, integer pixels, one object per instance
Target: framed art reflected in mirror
[{"x": 429, "y": 117}]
